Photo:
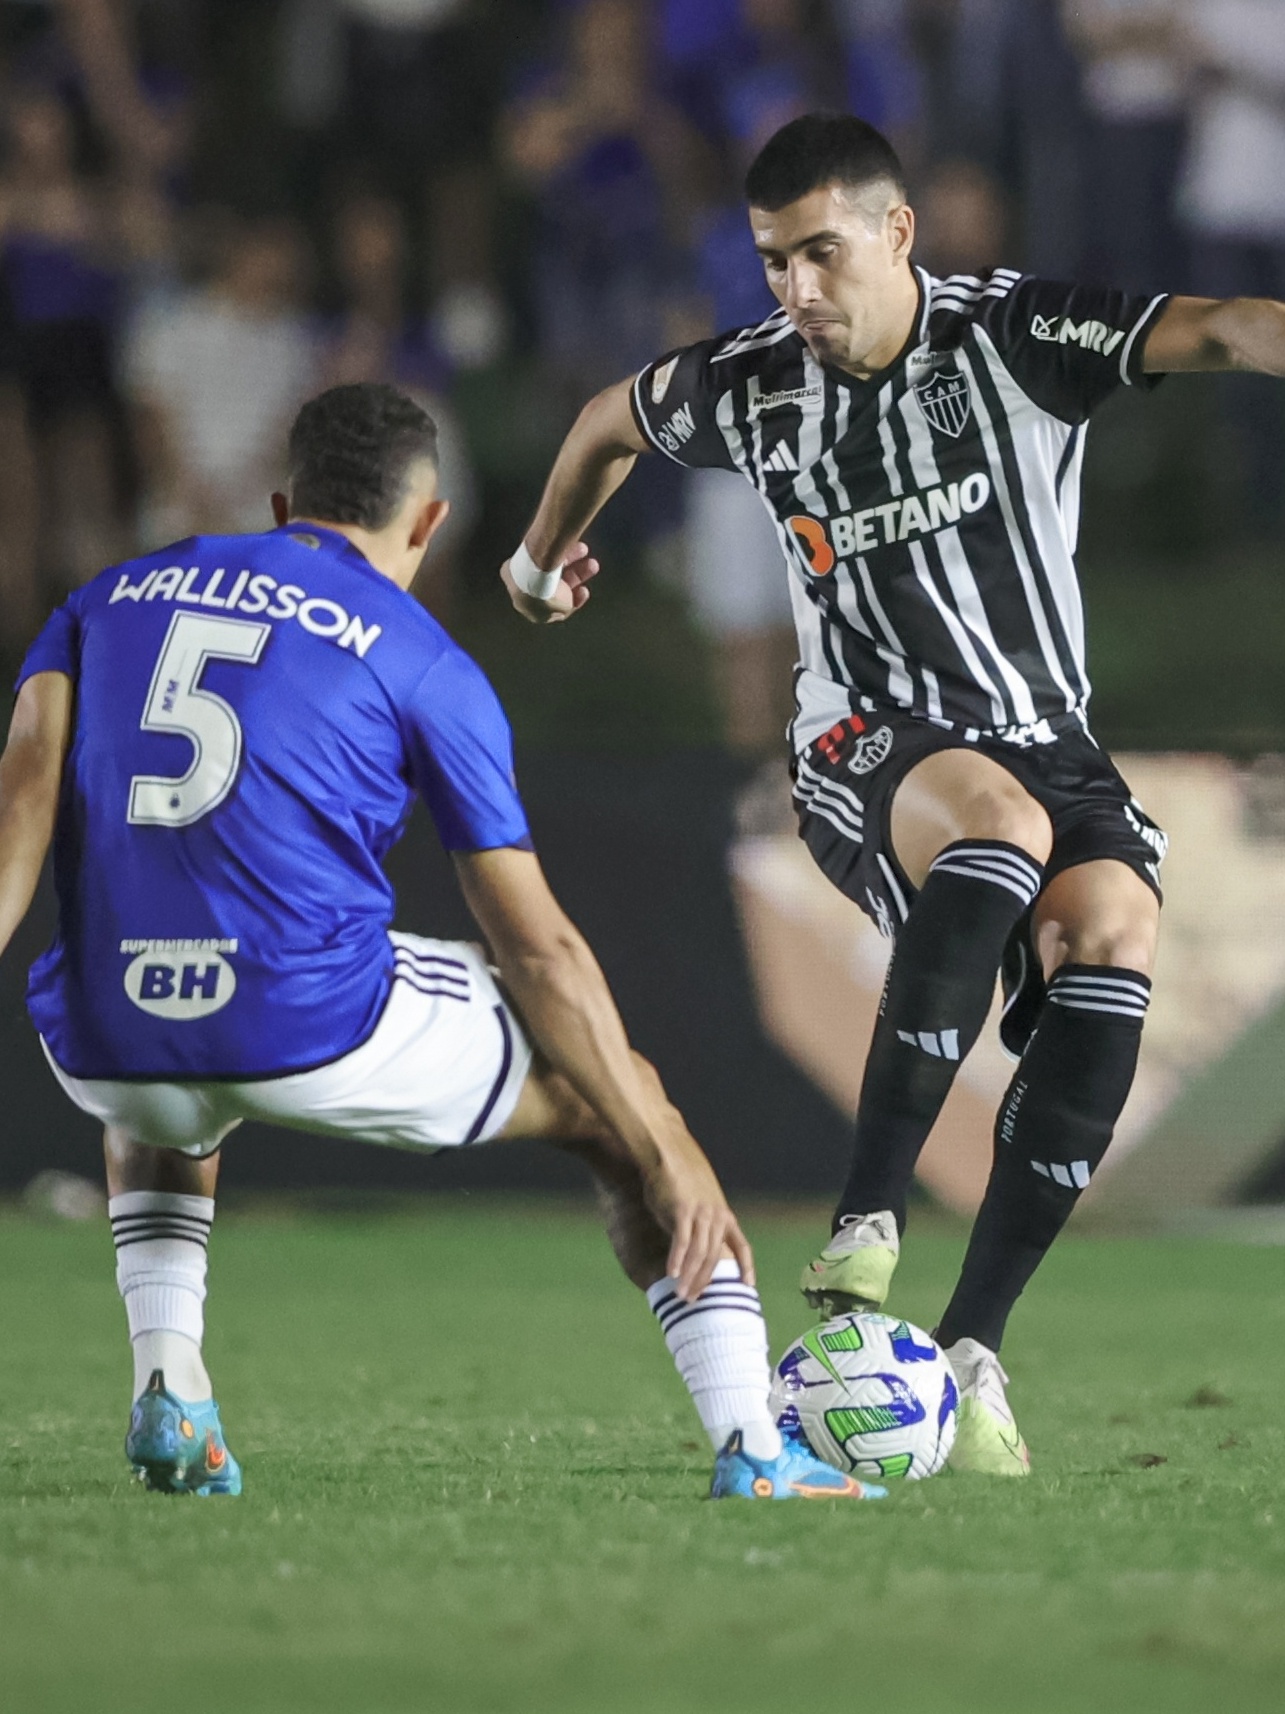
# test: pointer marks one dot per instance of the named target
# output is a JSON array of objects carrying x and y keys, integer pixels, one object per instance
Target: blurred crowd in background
[{"x": 211, "y": 208}]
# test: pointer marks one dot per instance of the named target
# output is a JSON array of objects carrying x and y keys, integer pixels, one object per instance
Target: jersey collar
[{"x": 339, "y": 544}]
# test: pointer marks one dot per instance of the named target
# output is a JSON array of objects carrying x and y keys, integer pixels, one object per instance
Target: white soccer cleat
[
  {"x": 987, "y": 1440},
  {"x": 854, "y": 1271}
]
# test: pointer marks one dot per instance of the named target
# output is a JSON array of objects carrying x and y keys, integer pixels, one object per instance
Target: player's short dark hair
[
  {"x": 818, "y": 149},
  {"x": 351, "y": 451}
]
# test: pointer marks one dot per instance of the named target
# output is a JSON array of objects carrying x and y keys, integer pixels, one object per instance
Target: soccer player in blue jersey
[{"x": 222, "y": 740}]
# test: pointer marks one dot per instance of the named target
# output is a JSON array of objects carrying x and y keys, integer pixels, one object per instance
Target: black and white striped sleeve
[
  {"x": 1069, "y": 347},
  {"x": 674, "y": 403}
]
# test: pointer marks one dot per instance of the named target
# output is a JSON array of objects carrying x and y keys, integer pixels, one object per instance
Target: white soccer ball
[{"x": 870, "y": 1394}]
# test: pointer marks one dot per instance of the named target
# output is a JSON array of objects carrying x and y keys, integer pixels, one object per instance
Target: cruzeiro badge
[{"x": 946, "y": 401}]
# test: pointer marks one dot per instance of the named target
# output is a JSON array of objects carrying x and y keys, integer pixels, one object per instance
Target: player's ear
[
  {"x": 901, "y": 230},
  {"x": 280, "y": 508},
  {"x": 428, "y": 521}
]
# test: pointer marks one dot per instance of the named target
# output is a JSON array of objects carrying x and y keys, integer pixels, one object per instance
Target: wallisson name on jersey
[
  {"x": 247, "y": 593},
  {"x": 828, "y": 540}
]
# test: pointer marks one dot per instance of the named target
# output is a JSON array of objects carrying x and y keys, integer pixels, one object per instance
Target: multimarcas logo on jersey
[
  {"x": 825, "y": 541},
  {"x": 179, "y": 979}
]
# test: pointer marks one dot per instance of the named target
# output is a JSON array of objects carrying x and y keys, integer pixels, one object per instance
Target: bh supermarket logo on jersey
[
  {"x": 179, "y": 979},
  {"x": 825, "y": 541}
]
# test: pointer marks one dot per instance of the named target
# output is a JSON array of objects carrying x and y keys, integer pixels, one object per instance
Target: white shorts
[{"x": 443, "y": 1068}]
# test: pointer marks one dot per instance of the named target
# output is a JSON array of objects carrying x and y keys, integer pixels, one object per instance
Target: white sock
[
  {"x": 160, "y": 1269},
  {"x": 719, "y": 1344}
]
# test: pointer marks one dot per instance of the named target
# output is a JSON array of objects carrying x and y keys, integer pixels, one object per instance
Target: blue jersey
[{"x": 254, "y": 716}]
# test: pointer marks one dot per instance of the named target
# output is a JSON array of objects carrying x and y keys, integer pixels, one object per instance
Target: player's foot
[
  {"x": 987, "y": 1439},
  {"x": 795, "y": 1474},
  {"x": 854, "y": 1271},
  {"x": 178, "y": 1448},
  {"x": 1025, "y": 990}
]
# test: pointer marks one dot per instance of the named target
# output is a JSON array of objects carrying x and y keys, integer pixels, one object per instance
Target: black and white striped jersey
[{"x": 929, "y": 515}]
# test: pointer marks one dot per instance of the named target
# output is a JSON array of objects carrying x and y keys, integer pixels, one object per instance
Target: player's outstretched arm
[
  {"x": 562, "y": 995},
  {"x": 594, "y": 460},
  {"x": 30, "y": 781},
  {"x": 1217, "y": 333}
]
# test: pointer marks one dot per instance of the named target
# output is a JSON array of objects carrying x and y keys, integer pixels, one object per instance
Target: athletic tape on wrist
[{"x": 543, "y": 585}]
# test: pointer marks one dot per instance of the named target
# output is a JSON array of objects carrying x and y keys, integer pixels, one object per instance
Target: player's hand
[
  {"x": 688, "y": 1200},
  {"x": 570, "y": 595}
]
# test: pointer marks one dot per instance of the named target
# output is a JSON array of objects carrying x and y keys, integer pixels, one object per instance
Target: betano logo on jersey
[
  {"x": 247, "y": 594},
  {"x": 1090, "y": 335},
  {"x": 181, "y": 980},
  {"x": 825, "y": 541}
]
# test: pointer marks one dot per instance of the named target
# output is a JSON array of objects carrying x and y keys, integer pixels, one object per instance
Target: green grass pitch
[{"x": 474, "y": 1483}]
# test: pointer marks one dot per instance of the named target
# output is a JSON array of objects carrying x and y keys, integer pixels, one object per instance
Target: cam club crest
[{"x": 946, "y": 401}]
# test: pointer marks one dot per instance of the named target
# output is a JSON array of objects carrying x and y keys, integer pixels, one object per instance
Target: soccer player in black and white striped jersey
[{"x": 918, "y": 442}]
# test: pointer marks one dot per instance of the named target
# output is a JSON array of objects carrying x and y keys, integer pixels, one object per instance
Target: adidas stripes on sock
[
  {"x": 161, "y": 1241},
  {"x": 1050, "y": 1136},
  {"x": 719, "y": 1344},
  {"x": 935, "y": 1001}
]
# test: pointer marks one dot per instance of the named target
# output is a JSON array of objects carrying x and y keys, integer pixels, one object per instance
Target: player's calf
[
  {"x": 718, "y": 1340},
  {"x": 1052, "y": 1132}
]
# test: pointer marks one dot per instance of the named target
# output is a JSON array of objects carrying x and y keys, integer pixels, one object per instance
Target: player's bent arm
[
  {"x": 593, "y": 461},
  {"x": 30, "y": 782},
  {"x": 1217, "y": 333},
  {"x": 562, "y": 995}
]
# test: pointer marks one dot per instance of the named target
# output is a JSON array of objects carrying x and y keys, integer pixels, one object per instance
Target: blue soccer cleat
[
  {"x": 795, "y": 1474},
  {"x": 178, "y": 1448}
]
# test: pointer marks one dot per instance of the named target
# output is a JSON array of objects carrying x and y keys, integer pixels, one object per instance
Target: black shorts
[{"x": 845, "y": 782}]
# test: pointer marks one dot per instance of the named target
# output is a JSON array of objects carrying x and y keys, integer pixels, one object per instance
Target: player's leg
[
  {"x": 161, "y": 1208},
  {"x": 1095, "y": 929},
  {"x": 449, "y": 1064},
  {"x": 719, "y": 1342},
  {"x": 161, "y": 1143},
  {"x": 971, "y": 842}
]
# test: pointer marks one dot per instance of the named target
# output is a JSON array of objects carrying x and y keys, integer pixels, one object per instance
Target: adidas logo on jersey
[
  {"x": 1089, "y": 335},
  {"x": 937, "y": 1044},
  {"x": 826, "y": 541},
  {"x": 781, "y": 459}
]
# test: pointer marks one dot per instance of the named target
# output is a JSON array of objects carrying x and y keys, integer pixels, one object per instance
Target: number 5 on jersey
[{"x": 176, "y": 704}]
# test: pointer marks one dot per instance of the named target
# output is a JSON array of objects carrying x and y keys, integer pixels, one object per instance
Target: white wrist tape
[{"x": 543, "y": 585}]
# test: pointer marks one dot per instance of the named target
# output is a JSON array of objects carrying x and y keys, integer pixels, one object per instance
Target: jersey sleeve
[
  {"x": 675, "y": 400},
  {"x": 460, "y": 748},
  {"x": 1069, "y": 346},
  {"x": 56, "y": 649}
]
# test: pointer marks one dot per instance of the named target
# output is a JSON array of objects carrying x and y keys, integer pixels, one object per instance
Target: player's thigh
[
  {"x": 1100, "y": 912},
  {"x": 956, "y": 794},
  {"x": 443, "y": 1067},
  {"x": 192, "y": 1118}
]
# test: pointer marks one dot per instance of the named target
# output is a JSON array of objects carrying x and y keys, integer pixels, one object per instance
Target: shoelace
[
  {"x": 876, "y": 1222},
  {"x": 988, "y": 1381}
]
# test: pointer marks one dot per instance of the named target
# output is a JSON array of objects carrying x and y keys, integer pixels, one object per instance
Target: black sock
[
  {"x": 935, "y": 1001},
  {"x": 1051, "y": 1134}
]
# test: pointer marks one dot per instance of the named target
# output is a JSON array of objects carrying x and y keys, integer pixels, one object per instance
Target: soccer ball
[{"x": 870, "y": 1394}]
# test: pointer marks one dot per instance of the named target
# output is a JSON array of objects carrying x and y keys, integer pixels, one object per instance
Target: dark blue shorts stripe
[{"x": 497, "y": 1088}]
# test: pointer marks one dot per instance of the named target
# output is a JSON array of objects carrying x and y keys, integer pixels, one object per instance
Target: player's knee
[
  {"x": 1125, "y": 944},
  {"x": 1002, "y": 810}
]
